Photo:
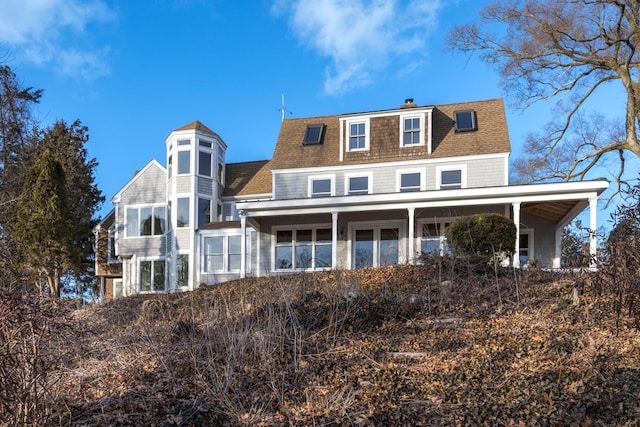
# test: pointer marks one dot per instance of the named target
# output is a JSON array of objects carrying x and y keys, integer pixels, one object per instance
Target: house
[{"x": 340, "y": 192}]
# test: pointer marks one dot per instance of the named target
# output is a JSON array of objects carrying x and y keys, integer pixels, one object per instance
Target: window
[
  {"x": 184, "y": 162},
  {"x": 465, "y": 120},
  {"x": 152, "y": 276},
  {"x": 204, "y": 143},
  {"x": 220, "y": 167},
  {"x": 111, "y": 244},
  {"x": 118, "y": 288},
  {"x": 182, "y": 270},
  {"x": 357, "y": 185},
  {"x": 450, "y": 179},
  {"x": 432, "y": 240},
  {"x": 183, "y": 212},
  {"x": 184, "y": 142},
  {"x": 305, "y": 249},
  {"x": 146, "y": 221},
  {"x": 204, "y": 163},
  {"x": 204, "y": 212},
  {"x": 411, "y": 131},
  {"x": 313, "y": 135},
  {"x": 321, "y": 186},
  {"x": 215, "y": 249},
  {"x": 170, "y": 166},
  {"x": 357, "y": 136},
  {"x": 525, "y": 247},
  {"x": 375, "y": 246},
  {"x": 213, "y": 254},
  {"x": 409, "y": 181}
]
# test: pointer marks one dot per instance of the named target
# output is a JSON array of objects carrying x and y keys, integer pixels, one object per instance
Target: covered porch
[{"x": 379, "y": 229}]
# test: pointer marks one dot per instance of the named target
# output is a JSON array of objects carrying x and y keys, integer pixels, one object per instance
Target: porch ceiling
[{"x": 550, "y": 211}]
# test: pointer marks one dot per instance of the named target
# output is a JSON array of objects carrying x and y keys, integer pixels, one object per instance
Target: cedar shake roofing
[
  {"x": 198, "y": 126},
  {"x": 490, "y": 137},
  {"x": 247, "y": 178}
]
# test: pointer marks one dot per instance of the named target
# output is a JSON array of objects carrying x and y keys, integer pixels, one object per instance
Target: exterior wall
[
  {"x": 543, "y": 239},
  {"x": 148, "y": 189},
  {"x": 480, "y": 172}
]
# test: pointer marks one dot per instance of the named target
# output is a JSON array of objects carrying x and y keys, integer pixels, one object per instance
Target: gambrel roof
[{"x": 491, "y": 137}]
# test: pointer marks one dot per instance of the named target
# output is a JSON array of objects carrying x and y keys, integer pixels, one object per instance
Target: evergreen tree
[
  {"x": 44, "y": 226},
  {"x": 67, "y": 144}
]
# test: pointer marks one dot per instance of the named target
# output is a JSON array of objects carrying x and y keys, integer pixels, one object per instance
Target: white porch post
[
  {"x": 593, "y": 229},
  {"x": 557, "y": 259},
  {"x": 516, "y": 221},
  {"x": 412, "y": 243},
  {"x": 334, "y": 240},
  {"x": 243, "y": 245}
]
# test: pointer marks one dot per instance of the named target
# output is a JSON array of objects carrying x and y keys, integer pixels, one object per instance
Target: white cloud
[
  {"x": 361, "y": 37},
  {"x": 48, "y": 32}
]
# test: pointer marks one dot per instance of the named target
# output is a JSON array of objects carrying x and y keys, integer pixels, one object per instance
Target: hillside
[{"x": 390, "y": 346}]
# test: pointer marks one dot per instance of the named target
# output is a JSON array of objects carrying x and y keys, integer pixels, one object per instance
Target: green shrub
[{"x": 479, "y": 237}]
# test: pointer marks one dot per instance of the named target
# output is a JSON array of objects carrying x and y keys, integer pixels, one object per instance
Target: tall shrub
[{"x": 480, "y": 237}]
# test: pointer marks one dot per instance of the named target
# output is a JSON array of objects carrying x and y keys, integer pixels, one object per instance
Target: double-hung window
[
  {"x": 412, "y": 131},
  {"x": 303, "y": 249},
  {"x": 357, "y": 134},
  {"x": 321, "y": 186},
  {"x": 224, "y": 254},
  {"x": 357, "y": 184},
  {"x": 146, "y": 221}
]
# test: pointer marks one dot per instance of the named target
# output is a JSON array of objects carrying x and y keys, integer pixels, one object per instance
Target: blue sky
[{"x": 132, "y": 71}]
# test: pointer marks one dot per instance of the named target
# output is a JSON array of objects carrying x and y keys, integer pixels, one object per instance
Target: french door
[{"x": 375, "y": 246}]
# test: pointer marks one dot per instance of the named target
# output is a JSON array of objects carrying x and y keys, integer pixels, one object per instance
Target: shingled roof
[
  {"x": 198, "y": 126},
  {"x": 490, "y": 137},
  {"x": 247, "y": 178}
]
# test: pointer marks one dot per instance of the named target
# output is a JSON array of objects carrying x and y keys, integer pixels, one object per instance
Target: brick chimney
[{"x": 408, "y": 103}]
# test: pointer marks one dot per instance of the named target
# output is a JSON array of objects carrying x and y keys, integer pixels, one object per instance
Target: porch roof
[{"x": 557, "y": 203}]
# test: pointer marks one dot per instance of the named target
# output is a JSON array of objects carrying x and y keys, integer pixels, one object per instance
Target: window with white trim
[
  {"x": 321, "y": 186},
  {"x": 183, "y": 212},
  {"x": 376, "y": 245},
  {"x": 204, "y": 163},
  {"x": 204, "y": 211},
  {"x": 450, "y": 178},
  {"x": 182, "y": 270},
  {"x": 223, "y": 254},
  {"x": 412, "y": 131},
  {"x": 184, "y": 162},
  {"x": 357, "y": 134},
  {"x": 151, "y": 275},
  {"x": 432, "y": 240},
  {"x": 357, "y": 184},
  {"x": 146, "y": 221},
  {"x": 220, "y": 168},
  {"x": 303, "y": 249},
  {"x": 409, "y": 181},
  {"x": 525, "y": 249}
]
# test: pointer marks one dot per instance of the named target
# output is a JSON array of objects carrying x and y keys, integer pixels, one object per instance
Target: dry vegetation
[{"x": 399, "y": 345}]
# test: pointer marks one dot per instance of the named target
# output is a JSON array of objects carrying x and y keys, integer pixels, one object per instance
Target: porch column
[
  {"x": 557, "y": 259},
  {"x": 516, "y": 221},
  {"x": 412, "y": 243},
  {"x": 334, "y": 240},
  {"x": 243, "y": 244},
  {"x": 593, "y": 229}
]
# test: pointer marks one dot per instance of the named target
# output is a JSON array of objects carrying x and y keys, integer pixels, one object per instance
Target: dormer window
[
  {"x": 313, "y": 135},
  {"x": 465, "y": 120},
  {"x": 411, "y": 130},
  {"x": 357, "y": 136}
]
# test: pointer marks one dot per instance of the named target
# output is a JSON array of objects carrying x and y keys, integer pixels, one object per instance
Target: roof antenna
[{"x": 283, "y": 110}]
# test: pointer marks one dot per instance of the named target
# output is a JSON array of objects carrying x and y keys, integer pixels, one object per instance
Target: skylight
[{"x": 313, "y": 135}]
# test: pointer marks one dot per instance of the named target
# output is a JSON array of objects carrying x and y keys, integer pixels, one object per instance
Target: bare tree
[{"x": 565, "y": 50}]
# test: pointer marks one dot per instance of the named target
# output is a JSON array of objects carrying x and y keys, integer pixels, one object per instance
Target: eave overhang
[{"x": 552, "y": 202}]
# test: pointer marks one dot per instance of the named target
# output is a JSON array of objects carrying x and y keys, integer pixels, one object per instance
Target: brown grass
[{"x": 397, "y": 345}]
